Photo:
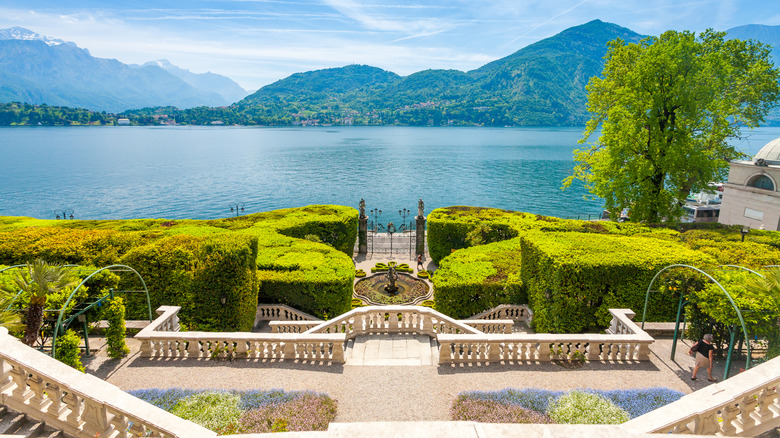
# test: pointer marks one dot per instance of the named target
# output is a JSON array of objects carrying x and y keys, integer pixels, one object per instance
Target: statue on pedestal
[
  {"x": 362, "y": 207},
  {"x": 420, "y": 208}
]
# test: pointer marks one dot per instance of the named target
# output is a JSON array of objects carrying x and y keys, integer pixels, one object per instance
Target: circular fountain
[{"x": 391, "y": 287}]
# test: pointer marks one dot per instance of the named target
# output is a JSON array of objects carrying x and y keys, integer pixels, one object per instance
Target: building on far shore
[{"x": 751, "y": 197}]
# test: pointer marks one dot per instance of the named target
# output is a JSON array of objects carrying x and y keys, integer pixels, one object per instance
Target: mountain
[
  {"x": 37, "y": 70},
  {"x": 20, "y": 33},
  {"x": 765, "y": 34},
  {"x": 222, "y": 85},
  {"x": 541, "y": 84}
]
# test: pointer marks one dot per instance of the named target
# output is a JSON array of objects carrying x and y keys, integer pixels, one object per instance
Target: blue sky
[{"x": 256, "y": 42}]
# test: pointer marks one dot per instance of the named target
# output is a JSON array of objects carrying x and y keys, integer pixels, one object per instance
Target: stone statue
[
  {"x": 362, "y": 207},
  {"x": 420, "y": 208},
  {"x": 392, "y": 276}
]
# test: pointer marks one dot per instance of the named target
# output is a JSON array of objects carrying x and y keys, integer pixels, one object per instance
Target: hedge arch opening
[{"x": 683, "y": 302}]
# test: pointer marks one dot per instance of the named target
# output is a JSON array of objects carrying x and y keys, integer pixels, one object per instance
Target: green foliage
[
  {"x": 573, "y": 279},
  {"x": 116, "y": 332},
  {"x": 17, "y": 113},
  {"x": 579, "y": 407},
  {"x": 664, "y": 109},
  {"x": 449, "y": 228},
  {"x": 212, "y": 410},
  {"x": 9, "y": 317},
  {"x": 174, "y": 258},
  {"x": 67, "y": 350},
  {"x": 479, "y": 278},
  {"x": 226, "y": 267},
  {"x": 360, "y": 273}
]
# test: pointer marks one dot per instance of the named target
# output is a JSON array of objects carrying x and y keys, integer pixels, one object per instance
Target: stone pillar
[
  {"x": 420, "y": 241},
  {"x": 363, "y": 235}
]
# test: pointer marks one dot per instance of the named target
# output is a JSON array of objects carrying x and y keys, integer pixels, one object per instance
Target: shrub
[
  {"x": 573, "y": 279},
  {"x": 212, "y": 410},
  {"x": 476, "y": 279},
  {"x": 67, "y": 350},
  {"x": 578, "y": 407},
  {"x": 116, "y": 332},
  {"x": 427, "y": 303},
  {"x": 488, "y": 411},
  {"x": 258, "y": 411},
  {"x": 422, "y": 274},
  {"x": 360, "y": 273}
]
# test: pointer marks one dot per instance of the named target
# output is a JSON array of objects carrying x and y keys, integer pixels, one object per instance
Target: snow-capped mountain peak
[{"x": 20, "y": 33}]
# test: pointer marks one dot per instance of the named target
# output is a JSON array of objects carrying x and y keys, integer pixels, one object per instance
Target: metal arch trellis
[
  {"x": 679, "y": 310},
  {"x": 70, "y": 318}
]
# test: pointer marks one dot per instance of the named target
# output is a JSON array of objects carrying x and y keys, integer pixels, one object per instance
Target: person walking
[
  {"x": 419, "y": 262},
  {"x": 704, "y": 351}
]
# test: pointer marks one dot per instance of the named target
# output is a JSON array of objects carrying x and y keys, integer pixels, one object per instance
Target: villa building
[{"x": 750, "y": 196}]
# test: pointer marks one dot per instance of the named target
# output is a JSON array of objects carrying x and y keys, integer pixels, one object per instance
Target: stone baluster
[
  {"x": 766, "y": 398},
  {"x": 747, "y": 406},
  {"x": 728, "y": 417},
  {"x": 543, "y": 352},
  {"x": 97, "y": 420},
  {"x": 193, "y": 348},
  {"x": 74, "y": 403},
  {"x": 39, "y": 400},
  {"x": 706, "y": 424},
  {"x": 240, "y": 350},
  {"x": 56, "y": 407},
  {"x": 19, "y": 377}
]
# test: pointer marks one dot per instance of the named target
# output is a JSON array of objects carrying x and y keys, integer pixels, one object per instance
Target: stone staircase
[
  {"x": 392, "y": 350},
  {"x": 16, "y": 425}
]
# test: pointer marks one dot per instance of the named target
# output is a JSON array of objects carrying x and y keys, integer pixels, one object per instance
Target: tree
[
  {"x": 39, "y": 279},
  {"x": 666, "y": 107}
]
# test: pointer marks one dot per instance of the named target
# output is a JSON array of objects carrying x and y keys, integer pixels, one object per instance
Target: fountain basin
[{"x": 410, "y": 289}]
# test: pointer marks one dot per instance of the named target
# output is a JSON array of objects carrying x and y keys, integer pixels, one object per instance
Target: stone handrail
[
  {"x": 78, "y": 404},
  {"x": 281, "y": 312},
  {"x": 744, "y": 405},
  {"x": 393, "y": 319},
  {"x": 515, "y": 312},
  {"x": 629, "y": 344},
  {"x": 292, "y": 326},
  {"x": 265, "y": 346},
  {"x": 490, "y": 326}
]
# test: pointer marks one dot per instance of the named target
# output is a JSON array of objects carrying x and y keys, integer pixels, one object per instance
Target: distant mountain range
[
  {"x": 38, "y": 69},
  {"x": 542, "y": 84}
]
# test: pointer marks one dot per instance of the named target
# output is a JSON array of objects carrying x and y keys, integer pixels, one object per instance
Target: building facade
[{"x": 750, "y": 196}]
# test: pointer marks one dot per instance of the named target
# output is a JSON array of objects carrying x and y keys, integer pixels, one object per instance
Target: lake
[{"x": 197, "y": 172}]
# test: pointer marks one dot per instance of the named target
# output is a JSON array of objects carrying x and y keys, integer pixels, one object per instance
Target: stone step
[{"x": 17, "y": 425}]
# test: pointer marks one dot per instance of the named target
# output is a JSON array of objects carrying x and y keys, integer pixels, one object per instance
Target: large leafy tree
[
  {"x": 665, "y": 108},
  {"x": 40, "y": 279}
]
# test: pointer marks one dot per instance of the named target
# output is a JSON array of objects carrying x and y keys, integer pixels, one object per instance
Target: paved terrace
[
  {"x": 396, "y": 377},
  {"x": 375, "y": 391}
]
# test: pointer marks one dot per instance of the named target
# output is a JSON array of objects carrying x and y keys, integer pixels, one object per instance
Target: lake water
[{"x": 197, "y": 172}]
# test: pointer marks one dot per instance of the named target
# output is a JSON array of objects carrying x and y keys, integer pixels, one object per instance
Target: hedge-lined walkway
[{"x": 401, "y": 393}]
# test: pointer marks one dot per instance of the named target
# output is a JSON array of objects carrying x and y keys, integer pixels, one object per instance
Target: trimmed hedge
[
  {"x": 179, "y": 259},
  {"x": 573, "y": 278},
  {"x": 479, "y": 278},
  {"x": 449, "y": 227}
]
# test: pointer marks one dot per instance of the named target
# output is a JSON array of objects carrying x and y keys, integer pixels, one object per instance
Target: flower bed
[
  {"x": 532, "y": 405},
  {"x": 234, "y": 412}
]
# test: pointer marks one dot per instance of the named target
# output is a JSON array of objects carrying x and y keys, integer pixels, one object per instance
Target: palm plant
[
  {"x": 39, "y": 279},
  {"x": 9, "y": 318}
]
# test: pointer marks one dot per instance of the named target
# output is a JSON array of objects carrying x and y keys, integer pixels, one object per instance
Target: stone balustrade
[
  {"x": 239, "y": 345},
  {"x": 515, "y": 312},
  {"x": 281, "y": 312},
  {"x": 744, "y": 405},
  {"x": 630, "y": 343},
  {"x": 490, "y": 326},
  {"x": 78, "y": 404},
  {"x": 393, "y": 319},
  {"x": 292, "y": 326}
]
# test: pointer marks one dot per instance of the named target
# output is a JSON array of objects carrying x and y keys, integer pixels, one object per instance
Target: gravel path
[{"x": 397, "y": 393}]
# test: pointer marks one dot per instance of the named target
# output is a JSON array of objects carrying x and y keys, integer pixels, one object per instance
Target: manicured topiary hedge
[
  {"x": 475, "y": 279},
  {"x": 573, "y": 278},
  {"x": 448, "y": 227},
  {"x": 177, "y": 258}
]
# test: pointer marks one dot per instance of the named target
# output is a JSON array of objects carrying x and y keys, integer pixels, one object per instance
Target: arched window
[{"x": 762, "y": 182}]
